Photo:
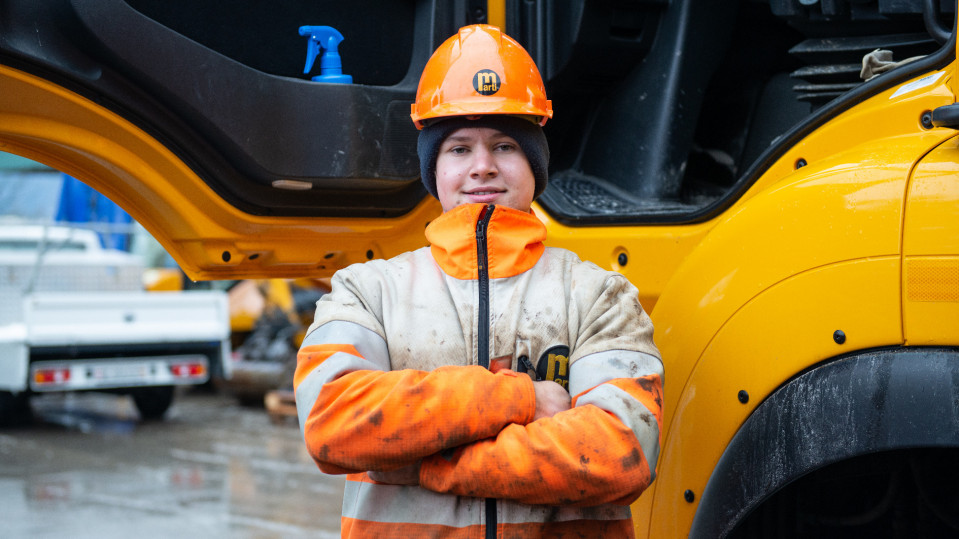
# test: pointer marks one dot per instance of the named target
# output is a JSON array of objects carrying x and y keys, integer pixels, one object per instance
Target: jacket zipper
[
  {"x": 482, "y": 323},
  {"x": 482, "y": 262}
]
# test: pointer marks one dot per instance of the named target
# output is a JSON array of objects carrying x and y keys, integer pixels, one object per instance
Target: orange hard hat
[{"x": 480, "y": 71}]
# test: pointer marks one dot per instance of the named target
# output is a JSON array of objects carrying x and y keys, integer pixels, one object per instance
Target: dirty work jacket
[{"x": 396, "y": 368}]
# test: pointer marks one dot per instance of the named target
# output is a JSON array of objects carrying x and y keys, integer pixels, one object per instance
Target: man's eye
[
  {"x": 457, "y": 150},
  {"x": 505, "y": 147}
]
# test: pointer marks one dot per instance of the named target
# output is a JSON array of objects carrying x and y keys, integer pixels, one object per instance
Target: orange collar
[{"x": 514, "y": 241}]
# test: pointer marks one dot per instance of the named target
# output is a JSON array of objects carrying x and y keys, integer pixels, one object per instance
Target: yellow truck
[{"x": 779, "y": 178}]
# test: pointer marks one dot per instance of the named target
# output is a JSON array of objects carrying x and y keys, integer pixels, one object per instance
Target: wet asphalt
[{"x": 86, "y": 466}]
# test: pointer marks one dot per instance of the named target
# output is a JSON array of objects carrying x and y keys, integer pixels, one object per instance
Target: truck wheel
[
  {"x": 14, "y": 408},
  {"x": 152, "y": 402}
]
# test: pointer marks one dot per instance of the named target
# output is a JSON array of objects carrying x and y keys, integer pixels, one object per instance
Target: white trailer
[{"x": 75, "y": 317}]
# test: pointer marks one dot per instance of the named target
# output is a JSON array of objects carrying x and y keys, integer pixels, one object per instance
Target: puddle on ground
[{"x": 88, "y": 467}]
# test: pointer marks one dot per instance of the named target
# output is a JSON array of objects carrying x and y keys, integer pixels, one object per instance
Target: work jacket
[{"x": 396, "y": 369}]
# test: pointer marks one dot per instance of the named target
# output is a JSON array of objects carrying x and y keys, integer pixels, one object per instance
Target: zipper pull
[
  {"x": 530, "y": 369},
  {"x": 481, "y": 223}
]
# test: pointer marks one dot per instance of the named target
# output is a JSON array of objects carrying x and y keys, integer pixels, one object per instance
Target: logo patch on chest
[{"x": 554, "y": 365}]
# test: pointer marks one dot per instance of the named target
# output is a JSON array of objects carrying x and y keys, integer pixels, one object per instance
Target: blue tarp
[{"x": 79, "y": 203}]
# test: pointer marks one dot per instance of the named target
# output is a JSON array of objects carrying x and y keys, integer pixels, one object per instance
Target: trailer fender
[{"x": 854, "y": 405}]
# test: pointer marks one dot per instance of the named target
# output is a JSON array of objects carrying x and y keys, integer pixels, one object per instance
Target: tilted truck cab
[{"x": 793, "y": 229}]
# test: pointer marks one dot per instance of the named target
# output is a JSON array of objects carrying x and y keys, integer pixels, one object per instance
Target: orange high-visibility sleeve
[
  {"x": 383, "y": 420},
  {"x": 582, "y": 456}
]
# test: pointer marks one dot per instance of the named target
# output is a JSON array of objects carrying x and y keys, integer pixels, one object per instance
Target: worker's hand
[
  {"x": 551, "y": 398},
  {"x": 407, "y": 475}
]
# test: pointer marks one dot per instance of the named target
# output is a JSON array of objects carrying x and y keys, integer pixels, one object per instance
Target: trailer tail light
[
  {"x": 107, "y": 373},
  {"x": 51, "y": 376},
  {"x": 188, "y": 370}
]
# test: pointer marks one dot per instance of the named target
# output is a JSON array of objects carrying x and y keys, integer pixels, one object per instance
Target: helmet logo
[{"x": 486, "y": 82}]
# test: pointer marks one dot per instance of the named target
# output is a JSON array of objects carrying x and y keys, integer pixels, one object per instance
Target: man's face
[{"x": 481, "y": 164}]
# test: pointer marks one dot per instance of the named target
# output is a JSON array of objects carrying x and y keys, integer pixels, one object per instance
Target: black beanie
[{"x": 527, "y": 134}]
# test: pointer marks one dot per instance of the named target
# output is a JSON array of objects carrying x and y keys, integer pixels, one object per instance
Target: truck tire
[
  {"x": 862, "y": 425},
  {"x": 14, "y": 408},
  {"x": 152, "y": 402}
]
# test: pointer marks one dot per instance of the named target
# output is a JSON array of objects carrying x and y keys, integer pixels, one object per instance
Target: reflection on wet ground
[{"x": 87, "y": 467}]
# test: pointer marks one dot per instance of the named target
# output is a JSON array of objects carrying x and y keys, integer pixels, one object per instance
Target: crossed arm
[
  {"x": 467, "y": 431},
  {"x": 470, "y": 432},
  {"x": 550, "y": 399}
]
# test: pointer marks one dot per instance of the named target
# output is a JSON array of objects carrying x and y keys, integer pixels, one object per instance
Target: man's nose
[{"x": 484, "y": 165}]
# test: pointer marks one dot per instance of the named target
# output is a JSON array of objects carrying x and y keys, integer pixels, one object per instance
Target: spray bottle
[{"x": 324, "y": 41}]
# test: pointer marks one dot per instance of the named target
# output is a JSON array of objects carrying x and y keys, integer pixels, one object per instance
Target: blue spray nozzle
[{"x": 324, "y": 41}]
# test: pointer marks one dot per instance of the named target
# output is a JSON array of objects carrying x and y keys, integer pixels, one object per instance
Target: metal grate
[{"x": 594, "y": 197}]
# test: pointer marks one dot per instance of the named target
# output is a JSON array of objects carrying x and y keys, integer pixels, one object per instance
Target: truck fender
[{"x": 853, "y": 405}]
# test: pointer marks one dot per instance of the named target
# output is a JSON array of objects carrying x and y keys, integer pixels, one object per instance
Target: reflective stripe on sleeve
[
  {"x": 636, "y": 416},
  {"x": 336, "y": 365},
  {"x": 594, "y": 369},
  {"x": 368, "y": 343}
]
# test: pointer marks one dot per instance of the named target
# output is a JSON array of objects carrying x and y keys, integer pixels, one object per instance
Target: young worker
[{"x": 417, "y": 376}]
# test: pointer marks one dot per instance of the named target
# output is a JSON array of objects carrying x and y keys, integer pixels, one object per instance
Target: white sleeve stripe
[
  {"x": 632, "y": 413},
  {"x": 367, "y": 342},
  {"x": 594, "y": 369},
  {"x": 335, "y": 366}
]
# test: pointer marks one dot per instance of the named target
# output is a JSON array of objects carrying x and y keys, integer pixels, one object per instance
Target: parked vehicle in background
[{"x": 75, "y": 317}]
